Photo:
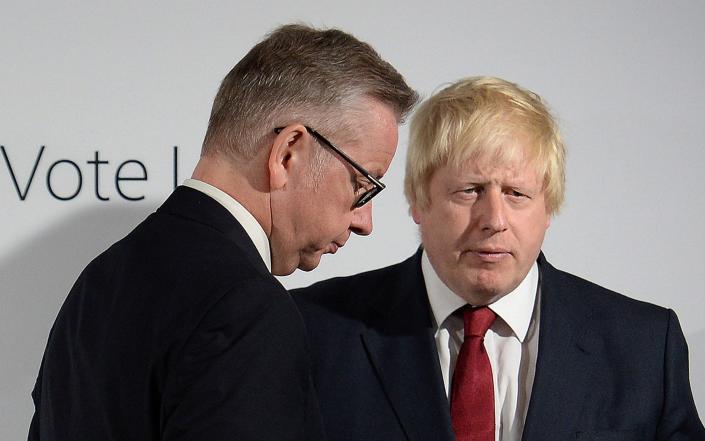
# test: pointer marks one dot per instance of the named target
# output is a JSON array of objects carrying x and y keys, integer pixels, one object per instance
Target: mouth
[{"x": 491, "y": 255}]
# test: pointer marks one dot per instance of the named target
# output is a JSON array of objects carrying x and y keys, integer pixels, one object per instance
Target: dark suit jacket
[
  {"x": 177, "y": 332},
  {"x": 608, "y": 367}
]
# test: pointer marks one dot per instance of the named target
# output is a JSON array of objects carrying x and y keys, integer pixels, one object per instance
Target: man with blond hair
[
  {"x": 180, "y": 330},
  {"x": 477, "y": 337}
]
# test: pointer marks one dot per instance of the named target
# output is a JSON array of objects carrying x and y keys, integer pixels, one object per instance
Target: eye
[
  {"x": 515, "y": 194},
  {"x": 470, "y": 190},
  {"x": 361, "y": 187},
  {"x": 467, "y": 194}
]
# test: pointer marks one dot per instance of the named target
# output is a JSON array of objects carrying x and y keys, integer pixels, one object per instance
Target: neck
[{"x": 248, "y": 184}]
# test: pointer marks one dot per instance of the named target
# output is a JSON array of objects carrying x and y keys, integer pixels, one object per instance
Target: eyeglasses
[{"x": 377, "y": 186}]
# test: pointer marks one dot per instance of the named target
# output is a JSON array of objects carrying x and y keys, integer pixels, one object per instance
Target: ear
[
  {"x": 549, "y": 216},
  {"x": 415, "y": 213},
  {"x": 286, "y": 153}
]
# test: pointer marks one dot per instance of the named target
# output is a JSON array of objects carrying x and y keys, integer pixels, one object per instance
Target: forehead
[
  {"x": 511, "y": 158},
  {"x": 482, "y": 171}
]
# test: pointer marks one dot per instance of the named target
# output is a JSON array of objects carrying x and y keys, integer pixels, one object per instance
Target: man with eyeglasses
[{"x": 180, "y": 330}]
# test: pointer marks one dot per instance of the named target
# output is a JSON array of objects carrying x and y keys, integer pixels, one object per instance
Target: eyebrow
[{"x": 483, "y": 181}]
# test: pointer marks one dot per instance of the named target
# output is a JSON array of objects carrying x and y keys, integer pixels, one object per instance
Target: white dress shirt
[
  {"x": 511, "y": 344},
  {"x": 249, "y": 223}
]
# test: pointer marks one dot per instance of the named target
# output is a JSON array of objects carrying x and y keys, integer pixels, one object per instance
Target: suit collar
[
  {"x": 400, "y": 335},
  {"x": 251, "y": 226},
  {"x": 195, "y": 206},
  {"x": 564, "y": 347}
]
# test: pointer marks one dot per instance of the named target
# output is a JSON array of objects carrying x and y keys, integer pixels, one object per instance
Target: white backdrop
[{"x": 131, "y": 81}]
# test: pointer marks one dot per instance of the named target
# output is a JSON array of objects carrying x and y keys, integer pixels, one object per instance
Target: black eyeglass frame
[{"x": 366, "y": 196}]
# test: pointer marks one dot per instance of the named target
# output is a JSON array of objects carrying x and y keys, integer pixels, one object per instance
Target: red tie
[{"x": 472, "y": 394}]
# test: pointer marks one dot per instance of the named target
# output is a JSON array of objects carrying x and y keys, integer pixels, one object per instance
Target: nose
[
  {"x": 491, "y": 210},
  {"x": 361, "y": 222}
]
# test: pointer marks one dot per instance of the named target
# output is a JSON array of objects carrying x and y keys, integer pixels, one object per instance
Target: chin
[
  {"x": 282, "y": 270},
  {"x": 307, "y": 268},
  {"x": 309, "y": 263},
  {"x": 483, "y": 290}
]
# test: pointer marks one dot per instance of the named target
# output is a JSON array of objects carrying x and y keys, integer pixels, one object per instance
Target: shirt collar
[
  {"x": 249, "y": 223},
  {"x": 515, "y": 308}
]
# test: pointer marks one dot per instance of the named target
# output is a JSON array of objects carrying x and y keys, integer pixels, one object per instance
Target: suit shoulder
[
  {"x": 352, "y": 295},
  {"x": 611, "y": 304},
  {"x": 252, "y": 303}
]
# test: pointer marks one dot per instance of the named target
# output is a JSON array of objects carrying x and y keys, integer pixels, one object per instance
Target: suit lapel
[
  {"x": 401, "y": 346},
  {"x": 402, "y": 349},
  {"x": 564, "y": 360}
]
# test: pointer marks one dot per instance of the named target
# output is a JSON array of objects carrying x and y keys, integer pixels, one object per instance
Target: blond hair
[{"x": 475, "y": 118}]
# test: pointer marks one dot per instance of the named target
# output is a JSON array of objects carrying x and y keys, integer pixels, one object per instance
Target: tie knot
[{"x": 478, "y": 320}]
